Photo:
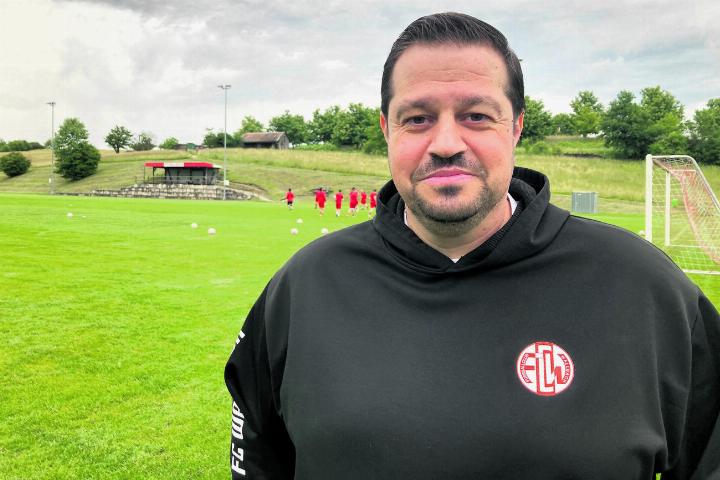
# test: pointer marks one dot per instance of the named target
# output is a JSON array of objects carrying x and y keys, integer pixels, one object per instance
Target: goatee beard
[{"x": 452, "y": 220}]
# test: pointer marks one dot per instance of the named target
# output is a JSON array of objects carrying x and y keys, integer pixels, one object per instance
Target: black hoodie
[{"x": 561, "y": 348}]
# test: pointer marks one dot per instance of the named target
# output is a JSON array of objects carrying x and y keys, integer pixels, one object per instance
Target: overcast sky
[{"x": 155, "y": 66}]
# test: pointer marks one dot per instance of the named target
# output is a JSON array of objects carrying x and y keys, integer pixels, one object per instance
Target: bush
[
  {"x": 75, "y": 157},
  {"x": 14, "y": 164},
  {"x": 79, "y": 162},
  {"x": 18, "y": 146},
  {"x": 170, "y": 143},
  {"x": 144, "y": 142}
]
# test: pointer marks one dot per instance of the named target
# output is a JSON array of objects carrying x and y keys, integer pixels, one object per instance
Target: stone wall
[{"x": 187, "y": 192}]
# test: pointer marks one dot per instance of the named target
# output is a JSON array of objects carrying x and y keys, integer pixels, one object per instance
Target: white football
[
  {"x": 70, "y": 214},
  {"x": 299, "y": 220},
  {"x": 193, "y": 225},
  {"x": 293, "y": 231},
  {"x": 211, "y": 231},
  {"x": 324, "y": 231}
]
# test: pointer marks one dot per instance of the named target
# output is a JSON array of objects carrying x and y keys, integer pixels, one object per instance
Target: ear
[
  {"x": 517, "y": 128},
  {"x": 384, "y": 126}
]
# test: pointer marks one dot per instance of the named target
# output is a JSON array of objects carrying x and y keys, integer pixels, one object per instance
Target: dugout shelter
[{"x": 182, "y": 173}]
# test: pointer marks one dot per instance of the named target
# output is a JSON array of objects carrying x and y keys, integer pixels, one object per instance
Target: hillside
[{"x": 620, "y": 183}]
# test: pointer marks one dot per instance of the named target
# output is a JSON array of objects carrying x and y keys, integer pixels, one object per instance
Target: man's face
[{"x": 450, "y": 132}]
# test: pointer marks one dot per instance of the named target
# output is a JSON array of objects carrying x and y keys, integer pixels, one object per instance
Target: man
[
  {"x": 320, "y": 199},
  {"x": 338, "y": 202},
  {"x": 353, "y": 201},
  {"x": 494, "y": 336},
  {"x": 363, "y": 199},
  {"x": 373, "y": 202},
  {"x": 290, "y": 198}
]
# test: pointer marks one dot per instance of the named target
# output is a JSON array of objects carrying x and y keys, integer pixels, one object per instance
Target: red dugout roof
[{"x": 181, "y": 165}]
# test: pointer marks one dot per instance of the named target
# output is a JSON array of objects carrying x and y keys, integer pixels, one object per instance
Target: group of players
[{"x": 358, "y": 200}]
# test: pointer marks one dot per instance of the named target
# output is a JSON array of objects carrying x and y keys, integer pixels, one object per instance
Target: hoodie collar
[{"x": 530, "y": 230}]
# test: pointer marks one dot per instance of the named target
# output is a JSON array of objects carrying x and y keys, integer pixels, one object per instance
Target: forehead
[{"x": 447, "y": 68}]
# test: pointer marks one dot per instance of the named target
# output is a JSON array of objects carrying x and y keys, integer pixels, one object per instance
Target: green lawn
[{"x": 117, "y": 323}]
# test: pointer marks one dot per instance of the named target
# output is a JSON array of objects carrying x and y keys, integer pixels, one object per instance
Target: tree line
[
  {"x": 632, "y": 127},
  {"x": 354, "y": 127}
]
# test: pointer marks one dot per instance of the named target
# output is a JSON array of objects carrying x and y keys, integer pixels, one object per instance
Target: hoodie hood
[{"x": 532, "y": 229}]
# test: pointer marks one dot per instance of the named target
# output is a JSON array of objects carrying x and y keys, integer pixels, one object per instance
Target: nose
[{"x": 447, "y": 140}]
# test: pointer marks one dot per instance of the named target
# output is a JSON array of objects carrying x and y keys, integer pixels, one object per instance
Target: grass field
[{"x": 118, "y": 321}]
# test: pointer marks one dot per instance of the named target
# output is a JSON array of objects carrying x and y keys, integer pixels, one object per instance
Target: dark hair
[{"x": 459, "y": 29}]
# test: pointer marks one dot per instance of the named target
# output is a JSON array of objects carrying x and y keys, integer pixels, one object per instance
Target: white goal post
[{"x": 682, "y": 213}]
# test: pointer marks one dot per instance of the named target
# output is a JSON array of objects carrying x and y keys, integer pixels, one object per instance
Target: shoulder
[
  {"x": 618, "y": 248},
  {"x": 337, "y": 250}
]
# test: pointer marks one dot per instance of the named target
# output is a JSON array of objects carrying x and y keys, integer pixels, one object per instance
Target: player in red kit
[
  {"x": 353, "y": 201},
  {"x": 290, "y": 198},
  {"x": 363, "y": 199},
  {"x": 338, "y": 202},
  {"x": 373, "y": 202},
  {"x": 320, "y": 199}
]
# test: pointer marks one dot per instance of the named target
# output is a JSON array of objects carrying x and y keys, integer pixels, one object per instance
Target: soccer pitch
[{"x": 117, "y": 322}]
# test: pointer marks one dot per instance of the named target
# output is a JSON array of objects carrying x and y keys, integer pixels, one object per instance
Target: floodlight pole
[
  {"x": 225, "y": 88},
  {"x": 51, "y": 180}
]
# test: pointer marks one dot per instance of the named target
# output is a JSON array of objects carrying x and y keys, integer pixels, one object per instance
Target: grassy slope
[{"x": 615, "y": 180}]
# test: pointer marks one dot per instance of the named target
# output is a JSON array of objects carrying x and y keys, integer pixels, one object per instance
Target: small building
[
  {"x": 188, "y": 147},
  {"x": 176, "y": 173},
  {"x": 278, "y": 140}
]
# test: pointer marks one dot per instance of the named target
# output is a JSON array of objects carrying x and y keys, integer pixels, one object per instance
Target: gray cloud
[{"x": 156, "y": 65}]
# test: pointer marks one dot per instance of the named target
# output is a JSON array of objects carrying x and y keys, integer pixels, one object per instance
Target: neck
[{"x": 457, "y": 245}]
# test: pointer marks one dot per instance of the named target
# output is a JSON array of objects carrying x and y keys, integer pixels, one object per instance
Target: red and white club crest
[{"x": 545, "y": 369}]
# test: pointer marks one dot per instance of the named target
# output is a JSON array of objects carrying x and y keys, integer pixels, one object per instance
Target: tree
[
  {"x": 144, "y": 142},
  {"x": 653, "y": 126},
  {"x": 3, "y": 145},
  {"x": 118, "y": 137},
  {"x": 169, "y": 143},
  {"x": 563, "y": 124},
  {"x": 587, "y": 113},
  {"x": 375, "y": 140},
  {"x": 294, "y": 127},
  {"x": 351, "y": 125},
  {"x": 14, "y": 164},
  {"x": 537, "y": 123},
  {"x": 212, "y": 139},
  {"x": 658, "y": 103},
  {"x": 249, "y": 124},
  {"x": 75, "y": 157},
  {"x": 625, "y": 127},
  {"x": 322, "y": 125},
  {"x": 704, "y": 144}
]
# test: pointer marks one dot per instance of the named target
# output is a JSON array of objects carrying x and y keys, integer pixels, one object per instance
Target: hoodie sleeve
[
  {"x": 700, "y": 455},
  {"x": 260, "y": 447}
]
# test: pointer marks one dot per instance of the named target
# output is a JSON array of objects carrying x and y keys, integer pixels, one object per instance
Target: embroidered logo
[{"x": 545, "y": 368}]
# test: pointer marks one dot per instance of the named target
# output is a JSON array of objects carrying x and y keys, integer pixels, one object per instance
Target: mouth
[{"x": 447, "y": 175}]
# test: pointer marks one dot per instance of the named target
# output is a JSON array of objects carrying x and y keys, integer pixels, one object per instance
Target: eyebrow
[{"x": 463, "y": 103}]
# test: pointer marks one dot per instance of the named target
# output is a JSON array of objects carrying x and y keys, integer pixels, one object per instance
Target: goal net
[{"x": 682, "y": 213}]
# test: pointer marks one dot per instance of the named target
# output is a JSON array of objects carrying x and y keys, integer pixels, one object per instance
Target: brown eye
[
  {"x": 417, "y": 120},
  {"x": 477, "y": 117}
]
